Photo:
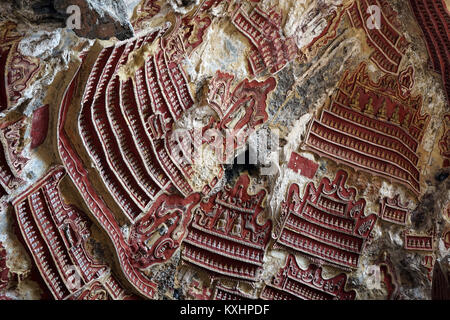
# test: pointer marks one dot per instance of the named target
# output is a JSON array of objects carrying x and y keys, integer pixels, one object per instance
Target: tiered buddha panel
[
  {"x": 16, "y": 74},
  {"x": 328, "y": 225},
  {"x": 293, "y": 283},
  {"x": 222, "y": 292},
  {"x": 156, "y": 237},
  {"x": 269, "y": 49},
  {"x": 39, "y": 126},
  {"x": 225, "y": 237},
  {"x": 55, "y": 235},
  {"x": 391, "y": 210},
  {"x": 373, "y": 127},
  {"x": 434, "y": 20},
  {"x": 388, "y": 43},
  {"x": 125, "y": 124},
  {"x": 418, "y": 242},
  {"x": 80, "y": 176}
]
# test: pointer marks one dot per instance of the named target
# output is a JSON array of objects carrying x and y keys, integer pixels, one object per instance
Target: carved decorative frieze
[
  {"x": 434, "y": 20},
  {"x": 16, "y": 70},
  {"x": 446, "y": 238},
  {"x": 225, "y": 236},
  {"x": 269, "y": 48},
  {"x": 126, "y": 126},
  {"x": 391, "y": 210},
  {"x": 56, "y": 234},
  {"x": 240, "y": 110},
  {"x": 372, "y": 126},
  {"x": 79, "y": 175},
  {"x": 428, "y": 262},
  {"x": 419, "y": 241},
  {"x": 245, "y": 107},
  {"x": 328, "y": 224},
  {"x": 198, "y": 291},
  {"x": 292, "y": 283},
  {"x": 388, "y": 43},
  {"x": 328, "y": 33},
  {"x": 195, "y": 25}
]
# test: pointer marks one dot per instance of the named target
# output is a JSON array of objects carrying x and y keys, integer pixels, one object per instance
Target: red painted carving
[
  {"x": 103, "y": 289},
  {"x": 194, "y": 29},
  {"x": 39, "y": 126},
  {"x": 55, "y": 234},
  {"x": 8, "y": 32},
  {"x": 434, "y": 20},
  {"x": 419, "y": 242},
  {"x": 303, "y": 166},
  {"x": 126, "y": 127},
  {"x": 388, "y": 43},
  {"x": 144, "y": 12},
  {"x": 406, "y": 82},
  {"x": 328, "y": 225},
  {"x": 224, "y": 236},
  {"x": 388, "y": 276},
  {"x": 159, "y": 233},
  {"x": 372, "y": 127},
  {"x": 240, "y": 111},
  {"x": 16, "y": 70},
  {"x": 219, "y": 93},
  {"x": 269, "y": 49},
  {"x": 79, "y": 175},
  {"x": 11, "y": 163},
  {"x": 11, "y": 136},
  {"x": 428, "y": 262},
  {"x": 444, "y": 143},
  {"x": 222, "y": 292},
  {"x": 393, "y": 211},
  {"x": 446, "y": 238},
  {"x": 159, "y": 96},
  {"x": 197, "y": 291},
  {"x": 245, "y": 106},
  {"x": 292, "y": 283},
  {"x": 94, "y": 291},
  {"x": 4, "y": 270}
]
